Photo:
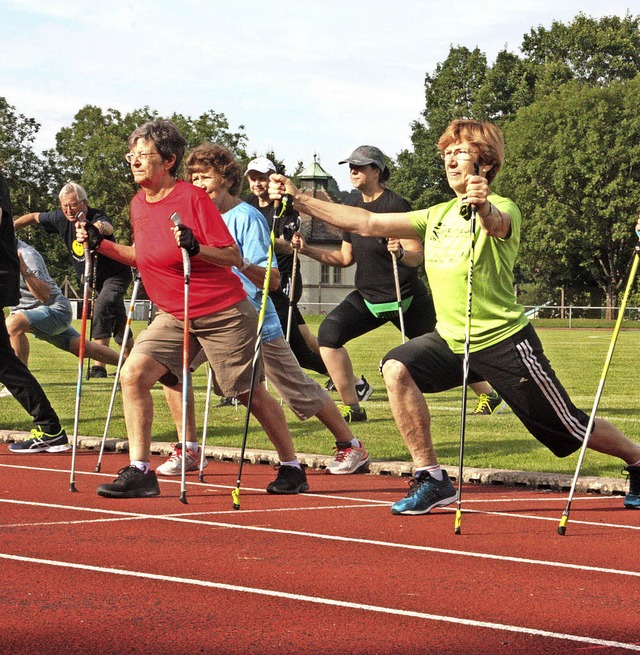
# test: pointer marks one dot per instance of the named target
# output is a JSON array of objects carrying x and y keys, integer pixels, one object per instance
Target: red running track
[{"x": 327, "y": 572}]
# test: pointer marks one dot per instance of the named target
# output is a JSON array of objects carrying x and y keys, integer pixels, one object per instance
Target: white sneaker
[
  {"x": 348, "y": 460},
  {"x": 173, "y": 465},
  {"x": 5, "y": 393}
]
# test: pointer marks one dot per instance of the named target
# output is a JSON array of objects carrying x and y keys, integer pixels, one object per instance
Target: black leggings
[
  {"x": 352, "y": 318},
  {"x": 23, "y": 385}
]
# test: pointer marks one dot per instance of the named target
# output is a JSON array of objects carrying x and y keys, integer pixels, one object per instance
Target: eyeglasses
[
  {"x": 459, "y": 154},
  {"x": 72, "y": 206},
  {"x": 130, "y": 156}
]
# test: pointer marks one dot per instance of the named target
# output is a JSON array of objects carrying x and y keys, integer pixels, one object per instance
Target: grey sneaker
[
  {"x": 290, "y": 480},
  {"x": 425, "y": 494},
  {"x": 363, "y": 390},
  {"x": 41, "y": 442},
  {"x": 348, "y": 459},
  {"x": 173, "y": 465},
  {"x": 131, "y": 483}
]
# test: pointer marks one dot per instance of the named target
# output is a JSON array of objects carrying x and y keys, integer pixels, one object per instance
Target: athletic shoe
[
  {"x": 5, "y": 393},
  {"x": 363, "y": 390},
  {"x": 97, "y": 372},
  {"x": 348, "y": 459},
  {"x": 425, "y": 494},
  {"x": 173, "y": 465},
  {"x": 488, "y": 405},
  {"x": 352, "y": 415},
  {"x": 227, "y": 401},
  {"x": 290, "y": 480},
  {"x": 42, "y": 442},
  {"x": 329, "y": 386},
  {"x": 131, "y": 483},
  {"x": 632, "y": 499}
]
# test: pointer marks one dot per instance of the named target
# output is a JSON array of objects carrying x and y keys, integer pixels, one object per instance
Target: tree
[
  {"x": 91, "y": 152},
  {"x": 574, "y": 170}
]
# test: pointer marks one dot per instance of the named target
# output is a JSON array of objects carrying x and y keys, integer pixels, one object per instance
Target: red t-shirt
[{"x": 159, "y": 260}]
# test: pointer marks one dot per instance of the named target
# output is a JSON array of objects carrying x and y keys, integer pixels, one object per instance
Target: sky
[{"x": 303, "y": 78}]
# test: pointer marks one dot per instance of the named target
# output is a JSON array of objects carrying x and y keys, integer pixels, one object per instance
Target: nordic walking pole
[
  {"x": 94, "y": 276},
  {"x": 396, "y": 279},
  {"x": 294, "y": 270},
  {"x": 81, "y": 347},
  {"x": 125, "y": 338},
  {"x": 465, "y": 366},
  {"x": 186, "y": 264},
  {"x": 206, "y": 422},
  {"x": 562, "y": 527},
  {"x": 235, "y": 493}
]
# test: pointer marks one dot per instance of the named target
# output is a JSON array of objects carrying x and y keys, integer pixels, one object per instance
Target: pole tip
[
  {"x": 183, "y": 498},
  {"x": 562, "y": 530},
  {"x": 72, "y": 488}
]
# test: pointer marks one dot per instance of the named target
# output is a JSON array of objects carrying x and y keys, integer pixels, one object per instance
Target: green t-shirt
[{"x": 495, "y": 314}]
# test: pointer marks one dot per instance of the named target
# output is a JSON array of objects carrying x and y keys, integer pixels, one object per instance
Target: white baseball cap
[{"x": 262, "y": 165}]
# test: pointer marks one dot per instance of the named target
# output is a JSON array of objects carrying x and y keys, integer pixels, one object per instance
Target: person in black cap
[{"x": 374, "y": 301}]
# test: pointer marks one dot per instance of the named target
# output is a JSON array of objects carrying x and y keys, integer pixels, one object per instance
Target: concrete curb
[{"x": 504, "y": 477}]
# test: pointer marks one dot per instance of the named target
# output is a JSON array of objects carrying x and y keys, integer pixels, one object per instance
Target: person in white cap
[{"x": 302, "y": 341}]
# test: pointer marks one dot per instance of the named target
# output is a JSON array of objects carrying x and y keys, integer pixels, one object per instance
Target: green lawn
[{"x": 578, "y": 356}]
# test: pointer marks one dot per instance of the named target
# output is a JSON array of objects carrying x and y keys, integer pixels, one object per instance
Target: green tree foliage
[
  {"x": 585, "y": 54},
  {"x": 574, "y": 171}
]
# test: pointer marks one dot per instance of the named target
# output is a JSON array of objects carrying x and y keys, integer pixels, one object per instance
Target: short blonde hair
[{"x": 484, "y": 136}]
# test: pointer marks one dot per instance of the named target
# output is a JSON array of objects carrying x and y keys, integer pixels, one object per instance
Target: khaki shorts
[
  {"x": 226, "y": 337},
  {"x": 304, "y": 396}
]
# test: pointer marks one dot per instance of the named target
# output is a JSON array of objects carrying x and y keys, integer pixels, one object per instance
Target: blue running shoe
[
  {"x": 425, "y": 494},
  {"x": 632, "y": 499}
]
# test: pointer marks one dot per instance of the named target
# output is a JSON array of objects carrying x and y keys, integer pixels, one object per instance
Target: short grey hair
[{"x": 73, "y": 187}]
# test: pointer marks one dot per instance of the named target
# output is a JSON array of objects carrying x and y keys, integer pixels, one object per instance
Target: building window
[
  {"x": 330, "y": 275},
  {"x": 324, "y": 274},
  {"x": 337, "y": 276}
]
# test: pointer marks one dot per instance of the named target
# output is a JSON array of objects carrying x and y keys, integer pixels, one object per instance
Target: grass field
[{"x": 577, "y": 355}]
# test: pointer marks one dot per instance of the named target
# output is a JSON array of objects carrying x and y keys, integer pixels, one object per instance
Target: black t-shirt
[
  {"x": 9, "y": 264},
  {"x": 56, "y": 222},
  {"x": 374, "y": 267}
]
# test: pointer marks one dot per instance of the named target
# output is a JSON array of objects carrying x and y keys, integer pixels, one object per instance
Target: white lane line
[
  {"x": 181, "y": 518},
  {"x": 318, "y": 600}
]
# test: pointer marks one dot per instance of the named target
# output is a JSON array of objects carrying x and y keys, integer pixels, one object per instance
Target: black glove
[
  {"x": 187, "y": 240},
  {"x": 94, "y": 238},
  {"x": 290, "y": 228}
]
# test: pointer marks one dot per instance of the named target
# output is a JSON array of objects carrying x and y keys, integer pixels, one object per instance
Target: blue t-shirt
[{"x": 249, "y": 229}]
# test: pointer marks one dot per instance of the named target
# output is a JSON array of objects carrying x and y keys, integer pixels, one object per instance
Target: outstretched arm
[{"x": 350, "y": 219}]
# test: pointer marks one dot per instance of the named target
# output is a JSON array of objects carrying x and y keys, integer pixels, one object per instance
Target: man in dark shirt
[
  {"x": 111, "y": 278},
  {"x": 48, "y": 434}
]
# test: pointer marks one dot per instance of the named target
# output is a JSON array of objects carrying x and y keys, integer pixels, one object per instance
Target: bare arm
[
  {"x": 338, "y": 258},
  {"x": 39, "y": 288},
  {"x": 27, "y": 219},
  {"x": 256, "y": 274},
  {"x": 349, "y": 219}
]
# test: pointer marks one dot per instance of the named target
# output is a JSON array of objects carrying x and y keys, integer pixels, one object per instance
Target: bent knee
[{"x": 394, "y": 371}]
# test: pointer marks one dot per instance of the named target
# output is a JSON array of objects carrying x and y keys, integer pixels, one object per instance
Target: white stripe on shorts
[{"x": 550, "y": 391}]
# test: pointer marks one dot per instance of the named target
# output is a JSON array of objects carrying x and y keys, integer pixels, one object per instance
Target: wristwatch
[{"x": 246, "y": 262}]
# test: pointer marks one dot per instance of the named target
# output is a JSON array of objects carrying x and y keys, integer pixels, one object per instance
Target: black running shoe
[
  {"x": 98, "y": 372},
  {"x": 131, "y": 483},
  {"x": 41, "y": 442},
  {"x": 632, "y": 499},
  {"x": 363, "y": 390},
  {"x": 351, "y": 415},
  {"x": 290, "y": 480}
]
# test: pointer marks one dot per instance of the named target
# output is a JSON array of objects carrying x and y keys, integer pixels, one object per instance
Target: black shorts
[
  {"x": 352, "y": 318},
  {"x": 109, "y": 314},
  {"x": 517, "y": 369}
]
